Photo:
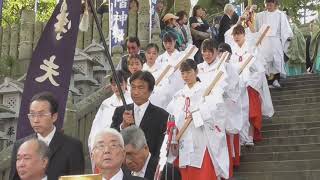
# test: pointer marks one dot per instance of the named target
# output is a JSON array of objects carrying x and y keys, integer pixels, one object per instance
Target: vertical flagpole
[{"x": 106, "y": 52}]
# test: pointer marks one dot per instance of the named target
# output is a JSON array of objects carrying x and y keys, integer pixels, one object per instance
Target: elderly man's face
[
  {"x": 135, "y": 158},
  {"x": 107, "y": 152},
  {"x": 30, "y": 165}
]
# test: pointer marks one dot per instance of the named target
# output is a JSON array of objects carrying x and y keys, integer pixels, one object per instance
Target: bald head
[{"x": 32, "y": 160}]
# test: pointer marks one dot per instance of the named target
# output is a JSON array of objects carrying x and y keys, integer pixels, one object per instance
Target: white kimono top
[{"x": 206, "y": 131}]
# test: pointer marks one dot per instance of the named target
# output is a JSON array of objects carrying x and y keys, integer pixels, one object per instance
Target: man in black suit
[
  {"x": 151, "y": 119},
  {"x": 66, "y": 155},
  {"x": 138, "y": 158},
  {"x": 108, "y": 154},
  {"x": 229, "y": 18}
]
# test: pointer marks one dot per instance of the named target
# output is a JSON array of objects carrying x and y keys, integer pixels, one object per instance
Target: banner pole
[{"x": 106, "y": 52}]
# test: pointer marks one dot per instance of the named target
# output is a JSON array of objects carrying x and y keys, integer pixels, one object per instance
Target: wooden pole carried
[{"x": 176, "y": 67}]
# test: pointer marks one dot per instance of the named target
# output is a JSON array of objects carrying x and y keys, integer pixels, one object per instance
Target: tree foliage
[{"x": 12, "y": 9}]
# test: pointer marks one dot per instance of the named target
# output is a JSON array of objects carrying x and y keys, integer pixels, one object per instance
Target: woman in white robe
[
  {"x": 151, "y": 65},
  {"x": 253, "y": 82},
  {"x": 203, "y": 152}
]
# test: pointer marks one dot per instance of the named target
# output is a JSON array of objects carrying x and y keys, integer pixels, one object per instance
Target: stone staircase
[{"x": 290, "y": 149}]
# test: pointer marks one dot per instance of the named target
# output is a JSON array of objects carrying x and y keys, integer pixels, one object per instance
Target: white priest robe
[
  {"x": 276, "y": 42},
  {"x": 206, "y": 131}
]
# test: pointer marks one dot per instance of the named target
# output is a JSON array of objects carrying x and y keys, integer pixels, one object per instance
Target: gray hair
[
  {"x": 228, "y": 8},
  {"x": 109, "y": 131},
  {"x": 134, "y": 135},
  {"x": 43, "y": 149}
]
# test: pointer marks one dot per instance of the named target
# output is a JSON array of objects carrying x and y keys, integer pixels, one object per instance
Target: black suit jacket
[
  {"x": 151, "y": 168},
  {"x": 66, "y": 156},
  {"x": 153, "y": 124},
  {"x": 224, "y": 26}
]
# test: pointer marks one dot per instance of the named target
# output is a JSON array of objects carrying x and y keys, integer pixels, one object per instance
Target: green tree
[{"x": 12, "y": 10}]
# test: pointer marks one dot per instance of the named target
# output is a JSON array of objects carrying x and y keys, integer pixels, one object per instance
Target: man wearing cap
[{"x": 170, "y": 22}]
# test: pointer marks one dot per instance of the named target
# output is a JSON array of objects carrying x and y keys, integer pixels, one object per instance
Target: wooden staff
[
  {"x": 224, "y": 57},
  {"x": 213, "y": 84},
  {"x": 263, "y": 35},
  {"x": 245, "y": 63},
  {"x": 206, "y": 93},
  {"x": 166, "y": 70}
]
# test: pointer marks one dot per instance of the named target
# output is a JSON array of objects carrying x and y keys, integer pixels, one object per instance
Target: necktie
[{"x": 137, "y": 117}]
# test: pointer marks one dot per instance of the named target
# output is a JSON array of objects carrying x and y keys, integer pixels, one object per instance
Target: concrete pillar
[
  {"x": 5, "y": 42},
  {"x": 95, "y": 33},
  {"x": 88, "y": 34},
  {"x": 143, "y": 22},
  {"x": 26, "y": 34},
  {"x": 132, "y": 23},
  {"x": 14, "y": 41},
  {"x": 116, "y": 54},
  {"x": 105, "y": 25},
  {"x": 80, "y": 40},
  {"x": 26, "y": 41},
  {"x": 37, "y": 33}
]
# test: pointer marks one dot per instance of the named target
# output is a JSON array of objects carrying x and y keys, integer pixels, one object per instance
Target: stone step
[
  {"x": 300, "y": 77},
  {"x": 289, "y": 140},
  {"x": 298, "y": 125},
  {"x": 292, "y": 119},
  {"x": 296, "y": 106},
  {"x": 278, "y": 175},
  {"x": 281, "y": 156},
  {"x": 298, "y": 100},
  {"x": 273, "y": 166},
  {"x": 296, "y": 87},
  {"x": 290, "y": 96},
  {"x": 297, "y": 112},
  {"x": 300, "y": 82},
  {"x": 279, "y": 92},
  {"x": 280, "y": 148},
  {"x": 291, "y": 132}
]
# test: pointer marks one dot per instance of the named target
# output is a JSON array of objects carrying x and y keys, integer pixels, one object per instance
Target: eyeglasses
[
  {"x": 38, "y": 115},
  {"x": 103, "y": 146}
]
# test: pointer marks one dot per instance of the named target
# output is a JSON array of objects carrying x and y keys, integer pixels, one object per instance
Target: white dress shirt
[
  {"x": 118, "y": 176},
  {"x": 142, "y": 172},
  {"x": 139, "y": 112},
  {"x": 48, "y": 138},
  {"x": 44, "y": 178}
]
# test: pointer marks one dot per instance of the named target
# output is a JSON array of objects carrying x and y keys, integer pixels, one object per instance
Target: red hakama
[
  {"x": 255, "y": 113},
  {"x": 206, "y": 172}
]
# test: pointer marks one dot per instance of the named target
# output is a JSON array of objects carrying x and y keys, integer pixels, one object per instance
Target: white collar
[
  {"x": 44, "y": 178},
  {"x": 118, "y": 176},
  {"x": 48, "y": 138},
  {"x": 205, "y": 66},
  {"x": 152, "y": 68},
  {"x": 142, "y": 172},
  {"x": 188, "y": 92}
]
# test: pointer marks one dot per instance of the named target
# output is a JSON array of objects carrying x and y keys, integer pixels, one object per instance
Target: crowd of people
[{"x": 189, "y": 109}]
